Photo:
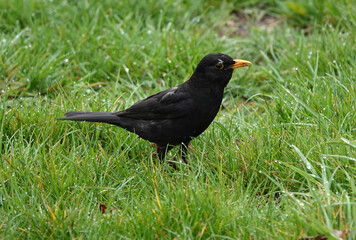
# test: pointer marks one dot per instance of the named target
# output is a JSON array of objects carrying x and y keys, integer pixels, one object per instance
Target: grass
[{"x": 278, "y": 162}]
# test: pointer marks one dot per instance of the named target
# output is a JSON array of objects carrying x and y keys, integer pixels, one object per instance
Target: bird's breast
[{"x": 204, "y": 114}]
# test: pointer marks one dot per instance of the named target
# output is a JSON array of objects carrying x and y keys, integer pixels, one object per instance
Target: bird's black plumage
[{"x": 176, "y": 115}]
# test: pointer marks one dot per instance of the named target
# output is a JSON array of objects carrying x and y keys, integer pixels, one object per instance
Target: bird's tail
[{"x": 105, "y": 117}]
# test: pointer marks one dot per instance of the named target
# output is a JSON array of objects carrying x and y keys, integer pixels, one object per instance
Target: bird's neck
[{"x": 199, "y": 83}]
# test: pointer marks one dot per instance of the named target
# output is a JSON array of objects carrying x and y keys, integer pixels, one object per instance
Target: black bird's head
[{"x": 215, "y": 69}]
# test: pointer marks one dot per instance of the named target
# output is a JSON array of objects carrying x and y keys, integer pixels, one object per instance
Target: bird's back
[{"x": 172, "y": 116}]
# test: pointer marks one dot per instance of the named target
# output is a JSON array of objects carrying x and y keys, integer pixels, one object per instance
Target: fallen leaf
[{"x": 102, "y": 208}]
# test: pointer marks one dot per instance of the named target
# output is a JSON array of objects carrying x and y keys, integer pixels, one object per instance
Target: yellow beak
[{"x": 239, "y": 63}]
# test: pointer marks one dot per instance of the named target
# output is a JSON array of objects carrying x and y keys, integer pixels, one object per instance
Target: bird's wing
[{"x": 168, "y": 104}]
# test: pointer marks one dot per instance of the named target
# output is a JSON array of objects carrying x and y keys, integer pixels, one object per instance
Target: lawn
[{"x": 278, "y": 162}]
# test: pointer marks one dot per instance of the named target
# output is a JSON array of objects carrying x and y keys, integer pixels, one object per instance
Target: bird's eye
[{"x": 219, "y": 66}]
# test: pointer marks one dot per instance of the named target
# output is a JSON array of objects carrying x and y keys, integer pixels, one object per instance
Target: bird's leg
[
  {"x": 183, "y": 151},
  {"x": 162, "y": 150}
]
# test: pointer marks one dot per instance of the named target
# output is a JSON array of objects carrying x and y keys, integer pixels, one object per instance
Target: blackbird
[{"x": 177, "y": 115}]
